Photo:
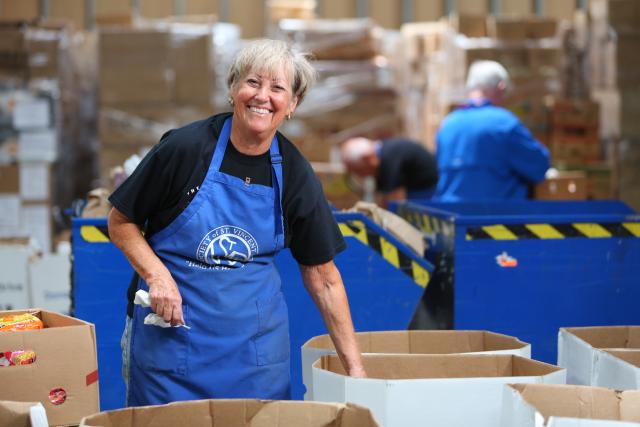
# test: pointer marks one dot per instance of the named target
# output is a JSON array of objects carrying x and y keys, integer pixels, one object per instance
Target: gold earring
[
  {"x": 289, "y": 116},
  {"x": 230, "y": 101}
]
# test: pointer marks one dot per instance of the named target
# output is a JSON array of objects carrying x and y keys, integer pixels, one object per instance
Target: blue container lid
[{"x": 526, "y": 211}]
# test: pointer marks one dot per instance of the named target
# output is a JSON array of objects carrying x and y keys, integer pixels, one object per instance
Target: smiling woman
[
  {"x": 219, "y": 198},
  {"x": 266, "y": 82}
]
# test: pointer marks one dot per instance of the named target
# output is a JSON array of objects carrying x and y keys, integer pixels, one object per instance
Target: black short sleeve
[{"x": 405, "y": 163}]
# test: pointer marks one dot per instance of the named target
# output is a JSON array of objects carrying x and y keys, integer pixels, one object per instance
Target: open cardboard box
[
  {"x": 617, "y": 369},
  {"x": 236, "y": 413},
  {"x": 538, "y": 405},
  {"x": 64, "y": 376},
  {"x": 413, "y": 342},
  {"x": 579, "y": 349},
  {"x": 430, "y": 390}
]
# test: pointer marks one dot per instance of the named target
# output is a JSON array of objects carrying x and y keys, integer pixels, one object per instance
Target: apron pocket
[
  {"x": 272, "y": 340},
  {"x": 157, "y": 348}
]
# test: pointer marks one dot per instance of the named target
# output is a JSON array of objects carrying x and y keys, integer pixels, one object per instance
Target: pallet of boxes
[
  {"x": 436, "y": 57},
  {"x": 614, "y": 69},
  {"x": 353, "y": 96},
  {"x": 155, "y": 75},
  {"x": 42, "y": 138}
]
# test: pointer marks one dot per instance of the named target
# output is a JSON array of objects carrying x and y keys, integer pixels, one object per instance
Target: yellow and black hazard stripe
[
  {"x": 554, "y": 231},
  {"x": 387, "y": 250},
  {"x": 426, "y": 223},
  {"x": 94, "y": 233}
]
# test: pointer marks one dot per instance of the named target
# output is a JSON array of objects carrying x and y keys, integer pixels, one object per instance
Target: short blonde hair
[{"x": 269, "y": 55}]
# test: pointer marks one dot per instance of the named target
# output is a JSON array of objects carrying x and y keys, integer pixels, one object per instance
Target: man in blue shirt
[{"x": 484, "y": 152}]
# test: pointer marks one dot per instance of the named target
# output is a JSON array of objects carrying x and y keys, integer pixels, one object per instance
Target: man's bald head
[{"x": 359, "y": 156}]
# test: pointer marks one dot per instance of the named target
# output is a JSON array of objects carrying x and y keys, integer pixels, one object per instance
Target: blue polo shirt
[{"x": 485, "y": 153}]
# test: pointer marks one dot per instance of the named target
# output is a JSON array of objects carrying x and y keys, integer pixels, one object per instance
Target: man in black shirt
[{"x": 403, "y": 169}]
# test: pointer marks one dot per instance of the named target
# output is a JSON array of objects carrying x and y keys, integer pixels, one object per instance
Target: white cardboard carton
[
  {"x": 50, "y": 281},
  {"x": 538, "y": 405},
  {"x": 38, "y": 146},
  {"x": 31, "y": 113},
  {"x": 14, "y": 279},
  {"x": 430, "y": 390},
  {"x": 617, "y": 369},
  {"x": 413, "y": 342},
  {"x": 34, "y": 181},
  {"x": 579, "y": 348}
]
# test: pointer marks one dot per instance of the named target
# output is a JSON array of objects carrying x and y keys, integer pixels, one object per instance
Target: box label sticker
[
  {"x": 57, "y": 396},
  {"x": 506, "y": 261}
]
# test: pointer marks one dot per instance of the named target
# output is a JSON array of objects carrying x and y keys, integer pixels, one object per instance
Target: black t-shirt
[
  {"x": 170, "y": 175},
  {"x": 404, "y": 163}
]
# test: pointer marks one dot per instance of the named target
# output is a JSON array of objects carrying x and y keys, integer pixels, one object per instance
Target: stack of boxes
[
  {"x": 153, "y": 77},
  {"x": 438, "y": 56},
  {"x": 353, "y": 96},
  {"x": 614, "y": 70},
  {"x": 31, "y": 89}
]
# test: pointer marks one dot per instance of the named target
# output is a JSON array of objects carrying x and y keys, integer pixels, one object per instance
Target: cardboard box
[
  {"x": 19, "y": 414},
  {"x": 413, "y": 342},
  {"x": 64, "y": 377},
  {"x": 38, "y": 224},
  {"x": 35, "y": 181},
  {"x": 617, "y": 369},
  {"x": 11, "y": 208},
  {"x": 580, "y": 348},
  {"x": 236, "y": 413},
  {"x": 539, "y": 28},
  {"x": 469, "y": 25},
  {"x": 38, "y": 146},
  {"x": 14, "y": 280},
  {"x": 434, "y": 390},
  {"x": 507, "y": 29},
  {"x": 9, "y": 178},
  {"x": 566, "y": 186},
  {"x": 50, "y": 282},
  {"x": 538, "y": 405},
  {"x": 31, "y": 113}
]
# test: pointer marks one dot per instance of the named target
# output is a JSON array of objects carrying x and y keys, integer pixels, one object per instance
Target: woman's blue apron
[{"x": 220, "y": 252}]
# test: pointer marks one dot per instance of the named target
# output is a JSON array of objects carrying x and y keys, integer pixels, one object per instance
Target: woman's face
[{"x": 262, "y": 101}]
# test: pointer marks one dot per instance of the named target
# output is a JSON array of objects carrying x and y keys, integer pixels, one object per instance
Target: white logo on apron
[{"x": 227, "y": 246}]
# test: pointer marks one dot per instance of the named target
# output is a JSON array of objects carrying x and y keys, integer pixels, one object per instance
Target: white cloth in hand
[{"x": 142, "y": 299}]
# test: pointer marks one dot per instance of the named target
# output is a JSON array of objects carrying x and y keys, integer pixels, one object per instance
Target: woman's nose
[{"x": 262, "y": 93}]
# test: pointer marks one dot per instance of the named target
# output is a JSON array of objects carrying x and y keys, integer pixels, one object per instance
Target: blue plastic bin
[
  {"x": 384, "y": 279},
  {"x": 528, "y": 268}
]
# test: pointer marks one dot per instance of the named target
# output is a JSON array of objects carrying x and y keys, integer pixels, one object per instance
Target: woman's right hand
[
  {"x": 164, "y": 296},
  {"x": 165, "y": 299}
]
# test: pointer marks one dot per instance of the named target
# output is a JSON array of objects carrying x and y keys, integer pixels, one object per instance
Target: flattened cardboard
[
  {"x": 435, "y": 390},
  {"x": 579, "y": 347},
  {"x": 236, "y": 413},
  {"x": 65, "y": 359},
  {"x": 413, "y": 342},
  {"x": 537, "y": 405}
]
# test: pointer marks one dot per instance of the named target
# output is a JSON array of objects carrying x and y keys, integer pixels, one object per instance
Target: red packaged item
[
  {"x": 18, "y": 357},
  {"x": 19, "y": 322}
]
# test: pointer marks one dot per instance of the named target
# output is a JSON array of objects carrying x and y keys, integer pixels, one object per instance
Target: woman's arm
[
  {"x": 163, "y": 291},
  {"x": 324, "y": 283}
]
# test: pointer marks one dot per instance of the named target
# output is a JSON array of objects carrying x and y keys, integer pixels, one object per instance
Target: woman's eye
[{"x": 252, "y": 82}]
